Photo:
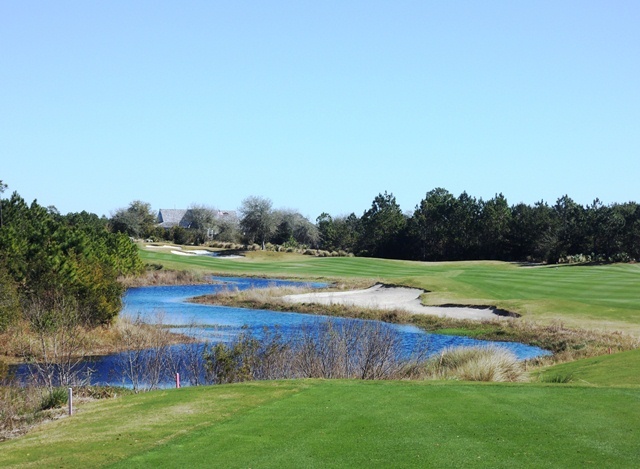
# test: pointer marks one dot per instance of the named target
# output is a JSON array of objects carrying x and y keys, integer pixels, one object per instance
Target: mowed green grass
[
  {"x": 603, "y": 296},
  {"x": 617, "y": 369},
  {"x": 329, "y": 423}
]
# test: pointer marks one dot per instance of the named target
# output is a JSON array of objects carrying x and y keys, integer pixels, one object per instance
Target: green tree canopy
[
  {"x": 257, "y": 220},
  {"x": 137, "y": 220},
  {"x": 47, "y": 255},
  {"x": 381, "y": 225}
]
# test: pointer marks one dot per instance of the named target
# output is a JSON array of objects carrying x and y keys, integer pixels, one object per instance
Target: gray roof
[{"x": 173, "y": 217}]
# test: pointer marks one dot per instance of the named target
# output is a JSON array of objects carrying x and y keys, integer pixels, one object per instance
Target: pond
[{"x": 222, "y": 324}]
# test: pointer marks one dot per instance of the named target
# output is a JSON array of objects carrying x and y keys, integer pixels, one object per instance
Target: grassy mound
[
  {"x": 606, "y": 370},
  {"x": 345, "y": 424}
]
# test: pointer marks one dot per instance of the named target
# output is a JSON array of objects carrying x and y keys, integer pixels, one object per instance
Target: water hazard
[{"x": 222, "y": 324}]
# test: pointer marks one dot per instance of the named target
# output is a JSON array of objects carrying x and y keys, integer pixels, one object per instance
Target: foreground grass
[
  {"x": 602, "y": 297},
  {"x": 345, "y": 424}
]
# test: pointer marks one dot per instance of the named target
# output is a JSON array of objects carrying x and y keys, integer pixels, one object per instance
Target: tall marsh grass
[
  {"x": 153, "y": 277},
  {"x": 493, "y": 363}
]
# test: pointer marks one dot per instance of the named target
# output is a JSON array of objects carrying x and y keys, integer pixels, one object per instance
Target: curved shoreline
[{"x": 408, "y": 299}]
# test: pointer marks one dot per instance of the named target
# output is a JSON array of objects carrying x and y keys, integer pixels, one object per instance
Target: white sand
[
  {"x": 202, "y": 252},
  {"x": 381, "y": 297},
  {"x": 183, "y": 253}
]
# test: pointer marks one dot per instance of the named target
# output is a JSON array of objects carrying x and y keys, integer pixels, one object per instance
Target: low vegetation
[
  {"x": 477, "y": 364},
  {"x": 155, "y": 275},
  {"x": 55, "y": 360},
  {"x": 330, "y": 350}
]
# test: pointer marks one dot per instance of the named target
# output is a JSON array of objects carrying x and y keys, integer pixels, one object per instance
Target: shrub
[
  {"x": 477, "y": 364},
  {"x": 329, "y": 349},
  {"x": 57, "y": 397}
]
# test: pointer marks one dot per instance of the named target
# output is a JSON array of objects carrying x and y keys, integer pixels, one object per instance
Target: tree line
[{"x": 444, "y": 227}]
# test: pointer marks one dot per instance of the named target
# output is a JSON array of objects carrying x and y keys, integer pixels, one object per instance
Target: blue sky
[{"x": 319, "y": 106}]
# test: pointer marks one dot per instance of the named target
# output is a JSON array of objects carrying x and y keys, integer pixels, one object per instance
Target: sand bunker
[
  {"x": 382, "y": 297},
  {"x": 202, "y": 252},
  {"x": 183, "y": 253}
]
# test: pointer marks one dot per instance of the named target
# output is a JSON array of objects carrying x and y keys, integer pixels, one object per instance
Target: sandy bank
[{"x": 381, "y": 297}]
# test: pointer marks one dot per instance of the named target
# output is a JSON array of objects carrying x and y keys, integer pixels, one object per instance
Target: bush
[
  {"x": 57, "y": 397},
  {"x": 477, "y": 364},
  {"x": 329, "y": 349}
]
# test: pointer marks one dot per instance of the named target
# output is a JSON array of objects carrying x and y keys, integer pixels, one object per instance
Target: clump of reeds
[{"x": 492, "y": 363}]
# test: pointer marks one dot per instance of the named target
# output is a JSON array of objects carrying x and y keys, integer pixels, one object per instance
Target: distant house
[{"x": 168, "y": 218}]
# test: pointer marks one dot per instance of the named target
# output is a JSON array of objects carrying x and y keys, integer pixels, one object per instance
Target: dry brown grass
[
  {"x": 163, "y": 277},
  {"x": 103, "y": 340},
  {"x": 495, "y": 364},
  {"x": 19, "y": 410}
]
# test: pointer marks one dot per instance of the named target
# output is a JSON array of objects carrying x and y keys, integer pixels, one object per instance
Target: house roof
[{"x": 168, "y": 217}]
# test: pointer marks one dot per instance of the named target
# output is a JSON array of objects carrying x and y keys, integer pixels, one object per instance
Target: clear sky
[{"x": 318, "y": 105}]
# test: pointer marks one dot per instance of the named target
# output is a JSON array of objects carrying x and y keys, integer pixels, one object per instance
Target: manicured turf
[
  {"x": 607, "y": 370},
  {"x": 606, "y": 296},
  {"x": 346, "y": 424}
]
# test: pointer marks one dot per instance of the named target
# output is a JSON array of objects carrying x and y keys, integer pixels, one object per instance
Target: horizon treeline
[{"x": 442, "y": 227}]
